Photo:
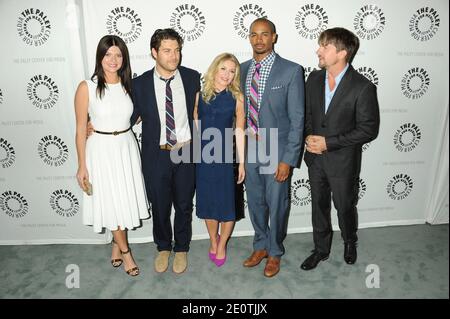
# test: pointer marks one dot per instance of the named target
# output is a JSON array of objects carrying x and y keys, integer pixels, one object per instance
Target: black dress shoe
[
  {"x": 312, "y": 261},
  {"x": 350, "y": 253}
]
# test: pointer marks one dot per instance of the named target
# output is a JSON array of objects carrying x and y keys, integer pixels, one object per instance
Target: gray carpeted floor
[{"x": 413, "y": 262}]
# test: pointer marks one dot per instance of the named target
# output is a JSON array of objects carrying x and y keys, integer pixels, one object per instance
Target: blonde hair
[{"x": 234, "y": 87}]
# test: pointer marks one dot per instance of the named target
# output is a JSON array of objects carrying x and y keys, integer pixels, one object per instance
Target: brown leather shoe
[
  {"x": 256, "y": 258},
  {"x": 272, "y": 266}
]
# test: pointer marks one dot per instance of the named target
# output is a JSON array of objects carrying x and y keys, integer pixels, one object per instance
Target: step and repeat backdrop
[{"x": 48, "y": 47}]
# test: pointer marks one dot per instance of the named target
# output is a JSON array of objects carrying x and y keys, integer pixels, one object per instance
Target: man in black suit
[
  {"x": 342, "y": 114},
  {"x": 164, "y": 99}
]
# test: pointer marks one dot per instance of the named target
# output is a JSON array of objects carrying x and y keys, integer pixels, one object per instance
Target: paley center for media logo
[
  {"x": 13, "y": 204},
  {"x": 125, "y": 23},
  {"x": 42, "y": 91},
  {"x": 52, "y": 150},
  {"x": 310, "y": 21},
  {"x": 369, "y": 22},
  {"x": 34, "y": 27},
  {"x": 244, "y": 16},
  {"x": 188, "y": 20},
  {"x": 424, "y": 24}
]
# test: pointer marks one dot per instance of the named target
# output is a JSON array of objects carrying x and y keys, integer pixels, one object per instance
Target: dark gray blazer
[{"x": 352, "y": 119}]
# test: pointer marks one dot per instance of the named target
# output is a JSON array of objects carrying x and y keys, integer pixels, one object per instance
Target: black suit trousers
[{"x": 344, "y": 193}]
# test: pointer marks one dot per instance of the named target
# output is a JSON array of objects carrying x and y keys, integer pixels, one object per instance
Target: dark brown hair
[
  {"x": 342, "y": 39},
  {"x": 124, "y": 72},
  {"x": 165, "y": 34}
]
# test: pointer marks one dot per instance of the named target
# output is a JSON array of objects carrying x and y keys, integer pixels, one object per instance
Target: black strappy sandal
[
  {"x": 116, "y": 262},
  {"x": 133, "y": 271}
]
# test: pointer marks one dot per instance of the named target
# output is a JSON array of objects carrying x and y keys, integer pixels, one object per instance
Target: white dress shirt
[{"x": 182, "y": 130}]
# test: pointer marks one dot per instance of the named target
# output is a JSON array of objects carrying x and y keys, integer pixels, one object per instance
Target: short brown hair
[
  {"x": 342, "y": 39},
  {"x": 165, "y": 34}
]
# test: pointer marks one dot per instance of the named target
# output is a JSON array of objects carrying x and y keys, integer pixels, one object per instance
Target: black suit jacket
[
  {"x": 352, "y": 119},
  {"x": 145, "y": 106}
]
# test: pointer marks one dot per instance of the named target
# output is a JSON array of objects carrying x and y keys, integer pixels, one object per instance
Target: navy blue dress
[{"x": 215, "y": 183}]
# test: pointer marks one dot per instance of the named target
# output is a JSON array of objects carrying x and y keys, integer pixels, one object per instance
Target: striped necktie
[
  {"x": 171, "y": 136},
  {"x": 252, "y": 120}
]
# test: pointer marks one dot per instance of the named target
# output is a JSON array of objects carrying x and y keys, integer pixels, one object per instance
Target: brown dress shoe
[
  {"x": 256, "y": 258},
  {"x": 272, "y": 266}
]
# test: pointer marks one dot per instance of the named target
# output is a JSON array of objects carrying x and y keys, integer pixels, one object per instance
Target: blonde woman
[{"x": 218, "y": 107}]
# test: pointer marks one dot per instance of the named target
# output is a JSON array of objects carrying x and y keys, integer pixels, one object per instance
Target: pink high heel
[
  {"x": 221, "y": 262},
  {"x": 212, "y": 256}
]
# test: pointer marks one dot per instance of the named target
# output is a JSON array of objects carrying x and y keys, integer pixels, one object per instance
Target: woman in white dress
[{"x": 109, "y": 164}]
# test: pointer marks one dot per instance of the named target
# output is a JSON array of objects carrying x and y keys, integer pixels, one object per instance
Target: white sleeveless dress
[{"x": 114, "y": 164}]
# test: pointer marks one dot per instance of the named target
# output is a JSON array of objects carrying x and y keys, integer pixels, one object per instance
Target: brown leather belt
[
  {"x": 168, "y": 147},
  {"x": 113, "y": 133}
]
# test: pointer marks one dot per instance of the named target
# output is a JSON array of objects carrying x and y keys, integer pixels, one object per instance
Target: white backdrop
[{"x": 49, "y": 46}]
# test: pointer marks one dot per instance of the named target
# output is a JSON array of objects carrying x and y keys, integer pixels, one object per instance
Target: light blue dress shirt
[{"x": 329, "y": 94}]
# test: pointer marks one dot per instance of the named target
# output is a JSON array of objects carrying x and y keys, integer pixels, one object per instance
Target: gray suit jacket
[{"x": 282, "y": 107}]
